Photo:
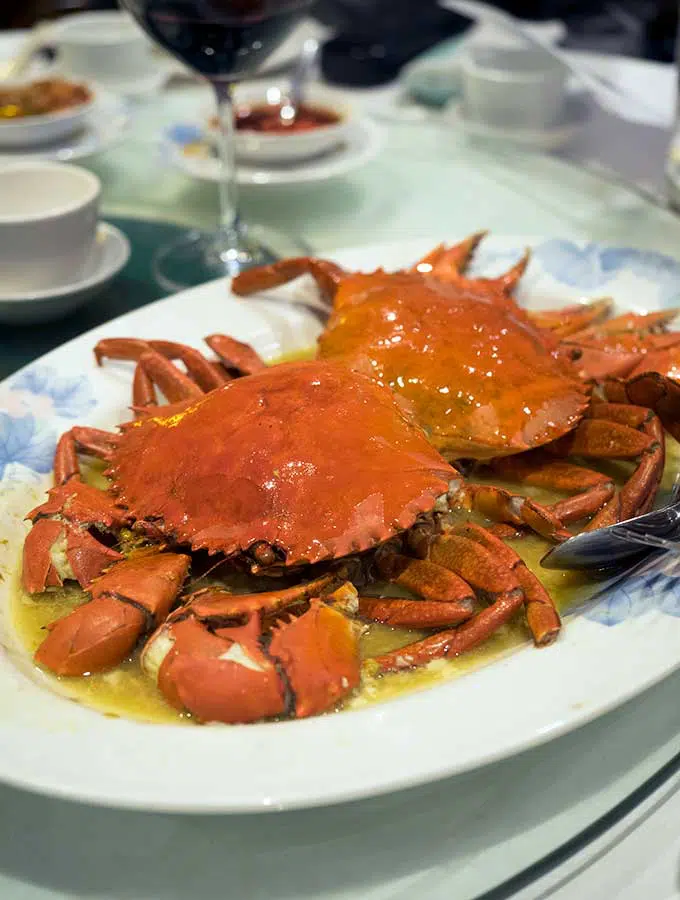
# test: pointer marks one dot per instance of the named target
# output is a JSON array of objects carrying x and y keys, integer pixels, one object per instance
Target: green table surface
[{"x": 133, "y": 287}]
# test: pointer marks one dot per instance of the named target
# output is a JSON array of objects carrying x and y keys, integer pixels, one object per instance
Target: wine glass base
[{"x": 197, "y": 257}]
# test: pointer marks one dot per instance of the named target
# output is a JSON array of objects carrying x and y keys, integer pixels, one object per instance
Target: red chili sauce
[{"x": 267, "y": 118}]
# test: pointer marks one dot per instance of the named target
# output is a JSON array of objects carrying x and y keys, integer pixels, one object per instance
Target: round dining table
[{"x": 516, "y": 828}]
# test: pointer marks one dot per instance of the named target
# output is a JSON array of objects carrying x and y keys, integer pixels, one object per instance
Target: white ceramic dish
[
  {"x": 48, "y": 223},
  {"x": 106, "y": 124},
  {"x": 187, "y": 148},
  {"x": 611, "y": 649},
  {"x": 512, "y": 87},
  {"x": 575, "y": 116},
  {"x": 36, "y": 131},
  {"x": 104, "y": 45},
  {"x": 258, "y": 148},
  {"x": 109, "y": 254}
]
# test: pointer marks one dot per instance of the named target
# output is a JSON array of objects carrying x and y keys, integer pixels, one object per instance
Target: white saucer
[
  {"x": 106, "y": 123},
  {"x": 577, "y": 111},
  {"x": 110, "y": 253},
  {"x": 187, "y": 148}
]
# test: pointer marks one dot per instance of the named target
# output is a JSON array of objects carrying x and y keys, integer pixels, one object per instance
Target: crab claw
[
  {"x": 57, "y": 551},
  {"x": 219, "y": 677},
  {"x": 60, "y": 546},
  {"x": 101, "y": 633},
  {"x": 319, "y": 653},
  {"x": 229, "y": 675}
]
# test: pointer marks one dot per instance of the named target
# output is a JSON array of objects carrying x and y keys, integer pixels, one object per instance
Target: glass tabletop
[{"x": 480, "y": 835}]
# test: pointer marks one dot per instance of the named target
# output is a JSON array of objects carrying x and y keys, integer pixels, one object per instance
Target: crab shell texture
[
  {"x": 314, "y": 459},
  {"x": 482, "y": 380}
]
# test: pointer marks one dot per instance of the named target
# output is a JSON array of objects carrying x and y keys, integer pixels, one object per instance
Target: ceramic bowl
[
  {"x": 515, "y": 88},
  {"x": 48, "y": 223},
  {"x": 105, "y": 46},
  {"x": 257, "y": 147},
  {"x": 31, "y": 131}
]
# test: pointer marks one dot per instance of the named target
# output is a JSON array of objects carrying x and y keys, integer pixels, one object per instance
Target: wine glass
[{"x": 222, "y": 40}]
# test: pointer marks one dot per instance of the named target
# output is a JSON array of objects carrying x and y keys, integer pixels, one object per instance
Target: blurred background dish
[
  {"x": 107, "y": 257},
  {"x": 105, "y": 123},
  {"x": 515, "y": 88},
  {"x": 48, "y": 219},
  {"x": 262, "y": 136},
  {"x": 109, "y": 47},
  {"x": 44, "y": 111},
  {"x": 189, "y": 149}
]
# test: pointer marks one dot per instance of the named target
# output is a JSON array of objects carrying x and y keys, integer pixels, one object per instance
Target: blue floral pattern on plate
[
  {"x": 68, "y": 396},
  {"x": 589, "y": 267},
  {"x": 26, "y": 441},
  {"x": 29, "y": 403},
  {"x": 654, "y": 585}
]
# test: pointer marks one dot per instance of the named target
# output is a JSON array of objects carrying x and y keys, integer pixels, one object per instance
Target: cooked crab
[
  {"x": 490, "y": 381},
  {"x": 304, "y": 468}
]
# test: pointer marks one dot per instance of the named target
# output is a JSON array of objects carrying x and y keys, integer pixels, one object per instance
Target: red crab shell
[
  {"x": 482, "y": 379},
  {"x": 314, "y": 459}
]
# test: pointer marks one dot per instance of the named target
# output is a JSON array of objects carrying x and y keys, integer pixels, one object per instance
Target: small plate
[
  {"x": 575, "y": 117},
  {"x": 110, "y": 253},
  {"x": 188, "y": 148},
  {"x": 106, "y": 123}
]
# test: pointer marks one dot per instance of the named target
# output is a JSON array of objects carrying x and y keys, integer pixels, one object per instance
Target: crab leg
[
  {"x": 639, "y": 491},
  {"x": 60, "y": 546},
  {"x": 636, "y": 323},
  {"x": 450, "y": 260},
  {"x": 570, "y": 319},
  {"x": 400, "y": 613},
  {"x": 534, "y": 468},
  {"x": 542, "y": 617},
  {"x": 234, "y": 355},
  {"x": 215, "y": 605},
  {"x": 130, "y": 597},
  {"x": 653, "y": 390},
  {"x": 91, "y": 441},
  {"x": 424, "y": 578},
  {"x": 327, "y": 275},
  {"x": 500, "y": 505},
  {"x": 485, "y": 573}
]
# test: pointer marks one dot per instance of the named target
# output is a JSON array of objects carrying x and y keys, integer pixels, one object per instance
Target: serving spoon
[{"x": 617, "y": 545}]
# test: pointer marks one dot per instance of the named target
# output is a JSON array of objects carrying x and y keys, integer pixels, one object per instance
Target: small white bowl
[
  {"x": 48, "y": 224},
  {"x": 257, "y": 147},
  {"x": 31, "y": 131},
  {"x": 514, "y": 88},
  {"x": 105, "y": 46}
]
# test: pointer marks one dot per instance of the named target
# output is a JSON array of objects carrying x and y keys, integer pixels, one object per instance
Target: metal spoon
[
  {"x": 304, "y": 70},
  {"x": 617, "y": 545}
]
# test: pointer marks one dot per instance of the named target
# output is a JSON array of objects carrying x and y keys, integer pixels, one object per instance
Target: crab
[
  {"x": 308, "y": 470},
  {"x": 494, "y": 383}
]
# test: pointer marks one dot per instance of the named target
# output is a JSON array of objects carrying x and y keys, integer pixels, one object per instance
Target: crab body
[{"x": 489, "y": 380}]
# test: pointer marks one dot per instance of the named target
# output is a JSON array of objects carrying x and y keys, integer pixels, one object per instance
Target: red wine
[{"x": 218, "y": 38}]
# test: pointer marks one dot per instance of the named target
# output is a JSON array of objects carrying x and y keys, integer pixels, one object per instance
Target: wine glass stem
[{"x": 228, "y": 188}]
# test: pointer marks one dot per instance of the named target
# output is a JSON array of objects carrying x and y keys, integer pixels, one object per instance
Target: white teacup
[
  {"x": 512, "y": 88},
  {"x": 48, "y": 224},
  {"x": 107, "y": 47}
]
